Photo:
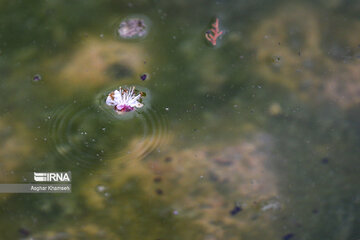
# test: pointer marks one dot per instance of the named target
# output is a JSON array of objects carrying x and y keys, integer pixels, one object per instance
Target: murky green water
[{"x": 256, "y": 138}]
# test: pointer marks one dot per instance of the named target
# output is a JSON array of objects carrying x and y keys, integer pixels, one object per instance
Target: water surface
[{"x": 255, "y": 138}]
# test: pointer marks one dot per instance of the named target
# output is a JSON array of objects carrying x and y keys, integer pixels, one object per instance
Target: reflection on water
[
  {"x": 256, "y": 137},
  {"x": 86, "y": 135}
]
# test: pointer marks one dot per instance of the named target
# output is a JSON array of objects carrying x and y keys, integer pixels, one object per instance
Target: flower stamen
[{"x": 125, "y": 100}]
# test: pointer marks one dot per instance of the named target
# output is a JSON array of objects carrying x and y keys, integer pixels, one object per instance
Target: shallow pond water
[{"x": 256, "y": 137}]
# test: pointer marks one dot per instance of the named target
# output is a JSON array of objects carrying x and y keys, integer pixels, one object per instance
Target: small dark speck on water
[
  {"x": 168, "y": 159},
  {"x": 37, "y": 78},
  {"x": 325, "y": 160},
  {"x": 288, "y": 236},
  {"x": 159, "y": 191},
  {"x": 143, "y": 77},
  {"x": 315, "y": 211},
  {"x": 235, "y": 210}
]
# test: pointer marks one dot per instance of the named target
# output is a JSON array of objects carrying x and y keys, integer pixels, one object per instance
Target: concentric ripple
[{"x": 86, "y": 135}]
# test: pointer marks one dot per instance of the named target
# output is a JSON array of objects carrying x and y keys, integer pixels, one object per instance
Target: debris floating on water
[
  {"x": 235, "y": 210},
  {"x": 143, "y": 76},
  {"x": 133, "y": 28},
  {"x": 125, "y": 99},
  {"x": 215, "y": 33},
  {"x": 37, "y": 78}
]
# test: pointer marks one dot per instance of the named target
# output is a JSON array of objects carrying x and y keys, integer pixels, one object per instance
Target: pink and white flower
[{"x": 125, "y": 99}]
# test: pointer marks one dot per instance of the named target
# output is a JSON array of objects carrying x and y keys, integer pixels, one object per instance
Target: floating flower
[
  {"x": 125, "y": 99},
  {"x": 215, "y": 33},
  {"x": 132, "y": 28}
]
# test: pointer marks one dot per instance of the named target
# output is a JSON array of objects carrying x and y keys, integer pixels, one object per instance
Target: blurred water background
[{"x": 256, "y": 138}]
